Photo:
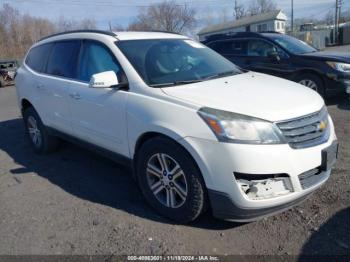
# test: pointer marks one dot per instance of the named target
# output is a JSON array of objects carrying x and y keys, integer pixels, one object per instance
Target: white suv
[{"x": 197, "y": 130}]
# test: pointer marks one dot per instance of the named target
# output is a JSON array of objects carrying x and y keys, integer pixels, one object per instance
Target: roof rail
[
  {"x": 163, "y": 31},
  {"x": 81, "y": 31},
  {"x": 232, "y": 34}
]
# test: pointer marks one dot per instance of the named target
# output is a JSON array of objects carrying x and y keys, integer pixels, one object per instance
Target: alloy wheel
[
  {"x": 167, "y": 180},
  {"x": 34, "y": 132},
  {"x": 309, "y": 83}
]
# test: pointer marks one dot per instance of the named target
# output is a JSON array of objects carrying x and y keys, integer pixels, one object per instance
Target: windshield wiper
[
  {"x": 223, "y": 74},
  {"x": 176, "y": 83}
]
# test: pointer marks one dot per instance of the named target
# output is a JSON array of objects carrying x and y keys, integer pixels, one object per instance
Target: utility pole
[
  {"x": 292, "y": 16},
  {"x": 236, "y": 9},
  {"x": 338, "y": 4}
]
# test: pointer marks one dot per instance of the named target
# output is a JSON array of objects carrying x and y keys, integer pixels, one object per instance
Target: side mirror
[{"x": 106, "y": 79}]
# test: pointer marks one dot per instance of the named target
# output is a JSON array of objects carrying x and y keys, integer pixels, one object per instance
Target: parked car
[
  {"x": 7, "y": 72},
  {"x": 284, "y": 56},
  {"x": 197, "y": 131}
]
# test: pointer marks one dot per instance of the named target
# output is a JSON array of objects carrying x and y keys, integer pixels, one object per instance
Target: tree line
[{"x": 18, "y": 32}]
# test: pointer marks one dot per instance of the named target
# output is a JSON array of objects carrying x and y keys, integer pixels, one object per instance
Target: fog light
[{"x": 265, "y": 188}]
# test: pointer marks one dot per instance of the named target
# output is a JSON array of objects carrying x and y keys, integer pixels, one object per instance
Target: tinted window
[
  {"x": 96, "y": 58},
  {"x": 293, "y": 45},
  {"x": 37, "y": 57},
  {"x": 235, "y": 47},
  {"x": 260, "y": 48},
  {"x": 62, "y": 61}
]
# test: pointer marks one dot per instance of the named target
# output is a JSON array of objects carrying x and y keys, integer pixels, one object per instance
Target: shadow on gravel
[
  {"x": 86, "y": 175},
  {"x": 342, "y": 101},
  {"x": 332, "y": 238}
]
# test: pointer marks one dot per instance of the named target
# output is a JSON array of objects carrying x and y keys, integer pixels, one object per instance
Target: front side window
[
  {"x": 260, "y": 48},
  {"x": 63, "y": 59},
  {"x": 37, "y": 57},
  {"x": 175, "y": 61},
  {"x": 96, "y": 58}
]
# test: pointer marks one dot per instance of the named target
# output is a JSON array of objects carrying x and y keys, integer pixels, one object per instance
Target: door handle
[{"x": 75, "y": 96}]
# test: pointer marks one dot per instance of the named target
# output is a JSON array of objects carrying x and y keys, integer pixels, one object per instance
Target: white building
[{"x": 272, "y": 21}]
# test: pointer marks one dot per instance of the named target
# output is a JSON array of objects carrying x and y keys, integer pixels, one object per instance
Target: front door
[
  {"x": 98, "y": 114},
  {"x": 259, "y": 58}
]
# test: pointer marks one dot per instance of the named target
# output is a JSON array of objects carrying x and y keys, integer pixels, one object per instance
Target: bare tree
[
  {"x": 18, "y": 32},
  {"x": 329, "y": 19},
  {"x": 239, "y": 10},
  {"x": 165, "y": 16},
  {"x": 261, "y": 6}
]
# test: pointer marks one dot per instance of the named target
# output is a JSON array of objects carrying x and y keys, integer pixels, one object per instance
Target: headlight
[
  {"x": 232, "y": 127},
  {"x": 342, "y": 67}
]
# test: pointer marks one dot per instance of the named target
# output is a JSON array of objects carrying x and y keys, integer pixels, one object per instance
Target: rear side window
[
  {"x": 37, "y": 57},
  {"x": 232, "y": 47},
  {"x": 63, "y": 59}
]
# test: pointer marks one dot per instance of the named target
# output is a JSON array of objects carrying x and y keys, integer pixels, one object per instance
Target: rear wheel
[
  {"x": 311, "y": 81},
  {"x": 39, "y": 138},
  {"x": 170, "y": 180}
]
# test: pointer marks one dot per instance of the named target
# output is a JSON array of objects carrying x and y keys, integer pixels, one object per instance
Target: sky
[{"x": 120, "y": 12}]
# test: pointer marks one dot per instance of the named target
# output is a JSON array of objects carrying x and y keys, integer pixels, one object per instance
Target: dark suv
[{"x": 287, "y": 57}]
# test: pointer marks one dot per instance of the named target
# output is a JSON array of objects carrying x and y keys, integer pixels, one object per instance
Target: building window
[
  {"x": 282, "y": 25},
  {"x": 262, "y": 28},
  {"x": 278, "y": 25}
]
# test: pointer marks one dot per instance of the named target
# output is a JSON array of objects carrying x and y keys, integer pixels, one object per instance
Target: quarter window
[
  {"x": 37, "y": 57},
  {"x": 96, "y": 58},
  {"x": 63, "y": 59}
]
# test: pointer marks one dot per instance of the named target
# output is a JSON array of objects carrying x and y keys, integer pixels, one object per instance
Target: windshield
[
  {"x": 166, "y": 62},
  {"x": 293, "y": 45}
]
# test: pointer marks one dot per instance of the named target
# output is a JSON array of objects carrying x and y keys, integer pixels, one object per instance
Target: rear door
[
  {"x": 98, "y": 114},
  {"x": 55, "y": 84},
  {"x": 234, "y": 50}
]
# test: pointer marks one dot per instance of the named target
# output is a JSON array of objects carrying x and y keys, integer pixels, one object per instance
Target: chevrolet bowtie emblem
[{"x": 322, "y": 125}]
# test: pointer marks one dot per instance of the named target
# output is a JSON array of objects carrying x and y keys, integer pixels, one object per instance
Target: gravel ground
[{"x": 76, "y": 202}]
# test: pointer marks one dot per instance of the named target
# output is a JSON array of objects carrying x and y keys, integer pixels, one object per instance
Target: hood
[
  {"x": 251, "y": 94},
  {"x": 329, "y": 56}
]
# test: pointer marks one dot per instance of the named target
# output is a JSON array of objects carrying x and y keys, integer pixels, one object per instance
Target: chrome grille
[{"x": 306, "y": 131}]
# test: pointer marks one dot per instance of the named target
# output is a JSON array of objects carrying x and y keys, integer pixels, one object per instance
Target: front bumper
[
  {"x": 338, "y": 83},
  {"x": 219, "y": 162},
  {"x": 223, "y": 207}
]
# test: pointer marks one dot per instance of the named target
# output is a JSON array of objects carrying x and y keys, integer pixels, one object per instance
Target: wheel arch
[
  {"x": 309, "y": 71},
  {"x": 185, "y": 146},
  {"x": 25, "y": 104}
]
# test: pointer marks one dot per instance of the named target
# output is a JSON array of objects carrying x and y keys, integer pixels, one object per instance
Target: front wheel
[
  {"x": 311, "y": 81},
  {"x": 170, "y": 180}
]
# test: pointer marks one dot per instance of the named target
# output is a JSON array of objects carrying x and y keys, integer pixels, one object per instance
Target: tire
[
  {"x": 182, "y": 208},
  {"x": 43, "y": 143},
  {"x": 312, "y": 81}
]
